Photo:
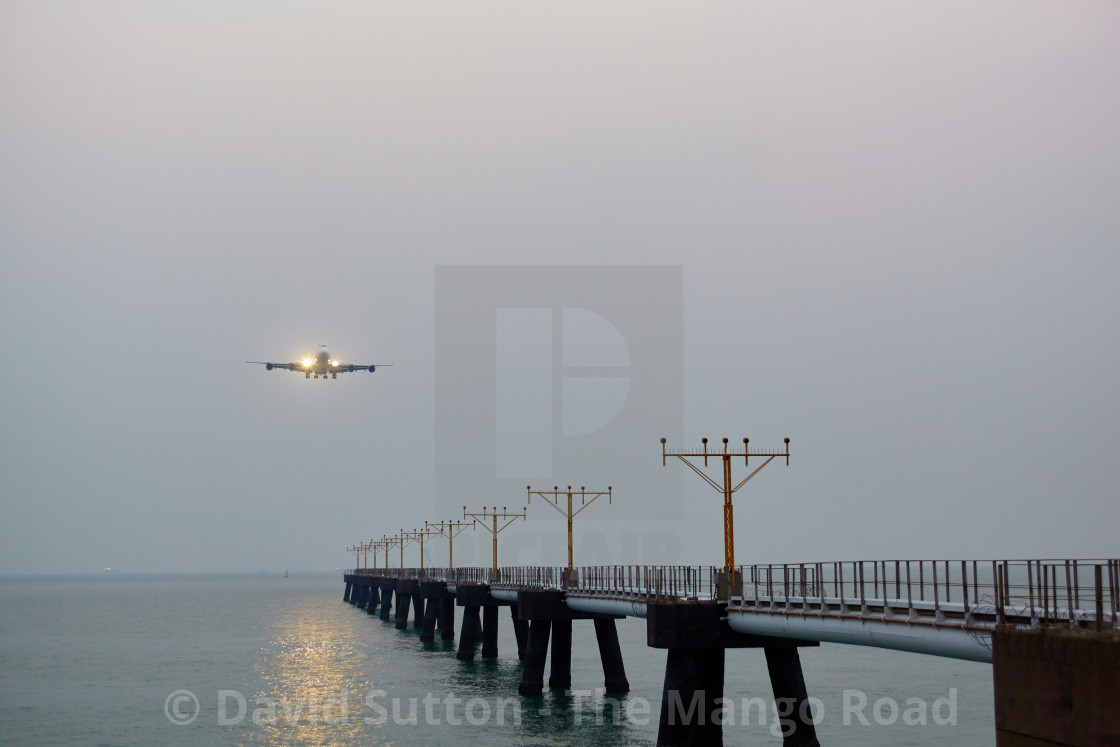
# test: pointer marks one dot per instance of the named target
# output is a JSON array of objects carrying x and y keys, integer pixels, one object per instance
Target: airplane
[{"x": 321, "y": 365}]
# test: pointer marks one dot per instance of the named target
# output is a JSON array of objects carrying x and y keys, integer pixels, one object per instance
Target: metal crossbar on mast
[
  {"x": 554, "y": 501},
  {"x": 450, "y": 530},
  {"x": 375, "y": 545},
  {"x": 386, "y": 543},
  {"x": 357, "y": 550},
  {"x": 418, "y": 535},
  {"x": 726, "y": 488},
  {"x": 493, "y": 514}
]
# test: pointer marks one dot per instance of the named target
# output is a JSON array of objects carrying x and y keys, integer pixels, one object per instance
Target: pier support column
[
  {"x": 789, "y": 686},
  {"x": 447, "y": 620},
  {"x": 346, "y": 594},
  {"x": 560, "y": 678},
  {"x": 697, "y": 636},
  {"x": 1055, "y": 686},
  {"x": 610, "y": 652},
  {"x": 468, "y": 634},
  {"x": 374, "y": 598},
  {"x": 403, "y": 600},
  {"x": 693, "y": 683},
  {"x": 536, "y": 650},
  {"x": 490, "y": 632},
  {"x": 363, "y": 596},
  {"x": 431, "y": 613},
  {"x": 387, "y": 599},
  {"x": 520, "y": 631},
  {"x": 417, "y": 610}
]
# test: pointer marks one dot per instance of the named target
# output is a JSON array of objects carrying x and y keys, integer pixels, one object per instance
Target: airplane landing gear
[
  {"x": 307, "y": 376},
  {"x": 334, "y": 376}
]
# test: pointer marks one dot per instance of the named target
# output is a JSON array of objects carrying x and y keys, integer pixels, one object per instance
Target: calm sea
[{"x": 263, "y": 660}]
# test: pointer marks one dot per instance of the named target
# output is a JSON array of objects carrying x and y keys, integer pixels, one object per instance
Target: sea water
[{"x": 260, "y": 659}]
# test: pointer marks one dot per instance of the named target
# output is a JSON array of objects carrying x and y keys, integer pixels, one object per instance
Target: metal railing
[
  {"x": 975, "y": 594},
  {"x": 972, "y": 594},
  {"x": 1078, "y": 593},
  {"x": 680, "y": 582}
]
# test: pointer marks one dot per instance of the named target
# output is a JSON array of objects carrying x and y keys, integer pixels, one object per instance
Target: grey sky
[{"x": 897, "y": 222}]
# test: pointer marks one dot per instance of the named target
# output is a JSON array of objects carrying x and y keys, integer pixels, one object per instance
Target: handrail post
[
  {"x": 964, "y": 589},
  {"x": 1030, "y": 588},
  {"x": 1100, "y": 597},
  {"x": 936, "y": 601},
  {"x": 909, "y": 592},
  {"x": 1069, "y": 597},
  {"x": 1000, "y": 591}
]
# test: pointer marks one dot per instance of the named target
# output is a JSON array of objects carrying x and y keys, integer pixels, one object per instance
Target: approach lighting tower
[
  {"x": 450, "y": 530},
  {"x": 375, "y": 547},
  {"x": 493, "y": 514},
  {"x": 726, "y": 488},
  {"x": 554, "y": 501},
  {"x": 388, "y": 542},
  {"x": 418, "y": 535}
]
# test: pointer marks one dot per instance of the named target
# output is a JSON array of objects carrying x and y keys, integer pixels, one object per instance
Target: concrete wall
[{"x": 1055, "y": 686}]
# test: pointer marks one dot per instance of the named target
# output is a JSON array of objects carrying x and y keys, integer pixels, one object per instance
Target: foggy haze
[{"x": 896, "y": 225}]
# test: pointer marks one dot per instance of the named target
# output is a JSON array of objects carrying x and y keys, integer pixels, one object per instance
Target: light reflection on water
[{"x": 306, "y": 675}]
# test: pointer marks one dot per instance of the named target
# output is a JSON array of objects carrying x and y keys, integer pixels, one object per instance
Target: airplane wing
[
  {"x": 285, "y": 366},
  {"x": 344, "y": 367}
]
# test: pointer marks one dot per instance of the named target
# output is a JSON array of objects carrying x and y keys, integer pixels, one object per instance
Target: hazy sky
[{"x": 898, "y": 226}]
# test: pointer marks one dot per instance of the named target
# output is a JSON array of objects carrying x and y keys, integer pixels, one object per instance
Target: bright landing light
[{"x": 307, "y": 363}]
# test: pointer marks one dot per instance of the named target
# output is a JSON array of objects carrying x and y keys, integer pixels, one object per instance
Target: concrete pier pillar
[
  {"x": 610, "y": 652},
  {"x": 520, "y": 631},
  {"x": 374, "y": 598},
  {"x": 469, "y": 633},
  {"x": 363, "y": 595},
  {"x": 693, "y": 682},
  {"x": 788, "y": 683},
  {"x": 1056, "y": 686},
  {"x": 386, "y": 599},
  {"x": 490, "y": 632},
  {"x": 697, "y": 636},
  {"x": 447, "y": 620},
  {"x": 560, "y": 677},
  {"x": 536, "y": 650},
  {"x": 431, "y": 614},
  {"x": 417, "y": 610},
  {"x": 403, "y": 600},
  {"x": 346, "y": 594}
]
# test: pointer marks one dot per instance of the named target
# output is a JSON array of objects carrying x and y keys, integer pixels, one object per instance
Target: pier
[{"x": 1051, "y": 629}]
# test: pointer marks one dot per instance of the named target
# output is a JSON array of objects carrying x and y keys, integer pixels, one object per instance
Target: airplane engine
[
  {"x": 268, "y": 366},
  {"x": 350, "y": 369},
  {"x": 372, "y": 369}
]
